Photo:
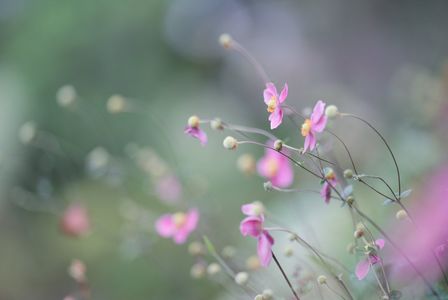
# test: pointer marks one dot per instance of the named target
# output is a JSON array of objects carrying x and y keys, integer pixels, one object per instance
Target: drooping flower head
[
  {"x": 273, "y": 100},
  {"x": 75, "y": 221},
  {"x": 252, "y": 225},
  {"x": 330, "y": 182},
  {"x": 193, "y": 130},
  {"x": 178, "y": 226},
  {"x": 276, "y": 168},
  {"x": 316, "y": 123},
  {"x": 363, "y": 267}
]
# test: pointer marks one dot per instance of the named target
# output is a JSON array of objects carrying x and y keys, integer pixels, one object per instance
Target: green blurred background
[{"x": 381, "y": 59}]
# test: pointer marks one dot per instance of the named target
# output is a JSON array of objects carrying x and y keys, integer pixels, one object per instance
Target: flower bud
[
  {"x": 116, "y": 104},
  {"x": 278, "y": 145},
  {"x": 230, "y": 143},
  {"x": 401, "y": 215},
  {"x": 27, "y": 132},
  {"x": 358, "y": 233},
  {"x": 331, "y": 111},
  {"x": 288, "y": 251},
  {"x": 197, "y": 271},
  {"x": 322, "y": 279},
  {"x": 259, "y": 297},
  {"x": 66, "y": 95},
  {"x": 77, "y": 270},
  {"x": 268, "y": 294},
  {"x": 348, "y": 174},
  {"x": 216, "y": 124},
  {"x": 193, "y": 121},
  {"x": 241, "y": 278},
  {"x": 213, "y": 268},
  {"x": 196, "y": 248},
  {"x": 350, "y": 200},
  {"x": 267, "y": 186},
  {"x": 225, "y": 40},
  {"x": 228, "y": 251},
  {"x": 246, "y": 164}
]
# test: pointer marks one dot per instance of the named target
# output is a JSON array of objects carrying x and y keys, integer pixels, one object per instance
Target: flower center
[
  {"x": 272, "y": 167},
  {"x": 179, "y": 219},
  {"x": 306, "y": 127},
  {"x": 272, "y": 104}
]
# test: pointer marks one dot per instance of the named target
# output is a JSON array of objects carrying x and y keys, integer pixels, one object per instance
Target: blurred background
[{"x": 64, "y": 140}]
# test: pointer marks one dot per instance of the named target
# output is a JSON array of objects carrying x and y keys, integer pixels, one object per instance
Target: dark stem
[{"x": 285, "y": 276}]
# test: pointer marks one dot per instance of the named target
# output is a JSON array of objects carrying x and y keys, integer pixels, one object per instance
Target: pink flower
[
  {"x": 363, "y": 267},
  {"x": 75, "y": 220},
  {"x": 177, "y": 226},
  {"x": 273, "y": 100},
  {"x": 316, "y": 123},
  {"x": 193, "y": 130},
  {"x": 276, "y": 167},
  {"x": 330, "y": 182},
  {"x": 253, "y": 225}
]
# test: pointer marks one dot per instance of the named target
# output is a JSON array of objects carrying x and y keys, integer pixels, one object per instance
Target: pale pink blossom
[
  {"x": 363, "y": 267},
  {"x": 75, "y": 220},
  {"x": 273, "y": 100},
  {"x": 315, "y": 124},
  {"x": 177, "y": 226},
  {"x": 252, "y": 225},
  {"x": 276, "y": 168}
]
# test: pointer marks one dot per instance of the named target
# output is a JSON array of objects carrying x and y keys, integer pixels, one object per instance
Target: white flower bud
[
  {"x": 401, "y": 215},
  {"x": 268, "y": 294},
  {"x": 259, "y": 297},
  {"x": 116, "y": 104},
  {"x": 358, "y": 233},
  {"x": 331, "y": 111},
  {"x": 213, "y": 268},
  {"x": 228, "y": 251},
  {"x": 196, "y": 248},
  {"x": 230, "y": 143},
  {"x": 77, "y": 270},
  {"x": 246, "y": 164},
  {"x": 267, "y": 186},
  {"x": 322, "y": 279},
  {"x": 193, "y": 121},
  {"x": 197, "y": 271},
  {"x": 216, "y": 124},
  {"x": 241, "y": 278},
  {"x": 225, "y": 40},
  {"x": 27, "y": 132},
  {"x": 288, "y": 251},
  {"x": 278, "y": 145},
  {"x": 66, "y": 95},
  {"x": 348, "y": 174}
]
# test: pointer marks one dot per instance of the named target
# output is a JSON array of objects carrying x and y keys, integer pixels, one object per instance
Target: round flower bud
[
  {"x": 288, "y": 251},
  {"x": 228, "y": 251},
  {"x": 197, "y": 271},
  {"x": 358, "y": 233},
  {"x": 267, "y": 186},
  {"x": 401, "y": 215},
  {"x": 350, "y": 200},
  {"x": 322, "y": 279},
  {"x": 213, "y": 268},
  {"x": 246, "y": 164},
  {"x": 225, "y": 40},
  {"x": 196, "y": 248},
  {"x": 116, "y": 104},
  {"x": 193, "y": 121},
  {"x": 293, "y": 237},
  {"x": 66, "y": 95},
  {"x": 348, "y": 174},
  {"x": 230, "y": 143},
  {"x": 77, "y": 270},
  {"x": 27, "y": 132},
  {"x": 259, "y": 297},
  {"x": 241, "y": 278},
  {"x": 331, "y": 111},
  {"x": 268, "y": 294},
  {"x": 278, "y": 145},
  {"x": 253, "y": 263},
  {"x": 216, "y": 124}
]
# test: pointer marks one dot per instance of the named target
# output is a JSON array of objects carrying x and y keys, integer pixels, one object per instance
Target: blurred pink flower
[
  {"x": 273, "y": 100},
  {"x": 178, "y": 226},
  {"x": 331, "y": 181},
  {"x": 316, "y": 123},
  {"x": 75, "y": 220},
  {"x": 276, "y": 167},
  {"x": 363, "y": 267},
  {"x": 197, "y": 133},
  {"x": 252, "y": 225},
  {"x": 168, "y": 188}
]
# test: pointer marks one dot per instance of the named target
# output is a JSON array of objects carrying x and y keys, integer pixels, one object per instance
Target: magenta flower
[
  {"x": 316, "y": 123},
  {"x": 253, "y": 225},
  {"x": 193, "y": 130},
  {"x": 276, "y": 168},
  {"x": 177, "y": 226},
  {"x": 330, "y": 182},
  {"x": 363, "y": 267},
  {"x": 273, "y": 100}
]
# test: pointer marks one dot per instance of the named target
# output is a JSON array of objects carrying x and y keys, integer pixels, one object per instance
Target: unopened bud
[
  {"x": 193, "y": 121},
  {"x": 358, "y": 233},
  {"x": 350, "y": 200},
  {"x": 27, "y": 132},
  {"x": 66, "y": 95},
  {"x": 278, "y": 145},
  {"x": 331, "y": 111},
  {"x": 246, "y": 164},
  {"x": 77, "y": 270},
  {"x": 401, "y": 215},
  {"x": 116, "y": 104},
  {"x": 216, "y": 124},
  {"x": 197, "y": 271},
  {"x": 230, "y": 143},
  {"x": 253, "y": 263},
  {"x": 288, "y": 251},
  {"x": 348, "y": 174},
  {"x": 225, "y": 40},
  {"x": 268, "y": 294},
  {"x": 259, "y": 297},
  {"x": 322, "y": 279},
  {"x": 213, "y": 268},
  {"x": 241, "y": 278},
  {"x": 228, "y": 251},
  {"x": 267, "y": 186},
  {"x": 196, "y": 248}
]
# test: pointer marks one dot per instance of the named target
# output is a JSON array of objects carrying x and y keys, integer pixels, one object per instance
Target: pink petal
[
  {"x": 285, "y": 173},
  {"x": 318, "y": 118},
  {"x": 374, "y": 259},
  {"x": 262, "y": 167},
  {"x": 251, "y": 226},
  {"x": 165, "y": 226},
  {"x": 362, "y": 269},
  {"x": 181, "y": 236},
  {"x": 264, "y": 248},
  {"x": 310, "y": 142},
  {"x": 271, "y": 88},
  {"x": 276, "y": 117},
  {"x": 325, "y": 192},
  {"x": 197, "y": 133},
  {"x": 192, "y": 220},
  {"x": 283, "y": 94},
  {"x": 248, "y": 209},
  {"x": 380, "y": 243}
]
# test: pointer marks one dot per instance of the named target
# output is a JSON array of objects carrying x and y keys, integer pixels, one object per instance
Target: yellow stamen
[
  {"x": 272, "y": 104},
  {"x": 306, "y": 127},
  {"x": 179, "y": 219}
]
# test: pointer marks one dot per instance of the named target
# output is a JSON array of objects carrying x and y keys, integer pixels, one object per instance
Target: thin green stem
[{"x": 285, "y": 276}]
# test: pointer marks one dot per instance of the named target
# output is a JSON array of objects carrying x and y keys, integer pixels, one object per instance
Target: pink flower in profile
[
  {"x": 273, "y": 100},
  {"x": 253, "y": 225},
  {"x": 178, "y": 226},
  {"x": 276, "y": 167},
  {"x": 316, "y": 123},
  {"x": 193, "y": 130},
  {"x": 330, "y": 182},
  {"x": 75, "y": 220},
  {"x": 363, "y": 267}
]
